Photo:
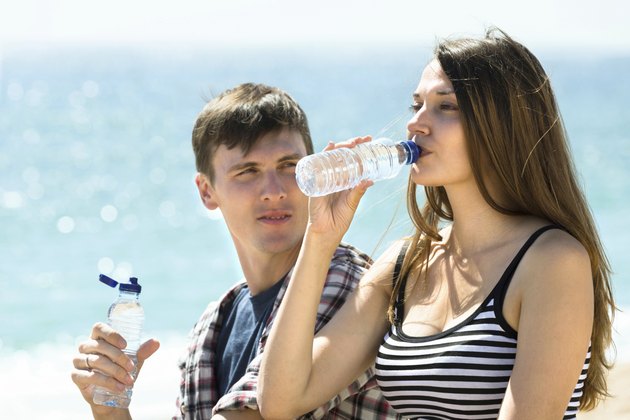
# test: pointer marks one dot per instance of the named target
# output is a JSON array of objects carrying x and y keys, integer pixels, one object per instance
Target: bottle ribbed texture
[
  {"x": 126, "y": 316},
  {"x": 339, "y": 169}
]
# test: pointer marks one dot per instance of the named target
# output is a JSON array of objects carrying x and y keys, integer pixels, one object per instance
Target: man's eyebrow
[
  {"x": 242, "y": 165},
  {"x": 251, "y": 164},
  {"x": 293, "y": 156}
]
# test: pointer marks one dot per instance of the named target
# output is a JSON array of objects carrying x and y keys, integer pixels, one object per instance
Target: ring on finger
[{"x": 87, "y": 363}]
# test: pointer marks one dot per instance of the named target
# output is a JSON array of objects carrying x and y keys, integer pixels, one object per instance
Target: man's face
[{"x": 257, "y": 193}]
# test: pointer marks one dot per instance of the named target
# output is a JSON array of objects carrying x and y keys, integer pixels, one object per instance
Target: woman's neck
[{"x": 477, "y": 227}]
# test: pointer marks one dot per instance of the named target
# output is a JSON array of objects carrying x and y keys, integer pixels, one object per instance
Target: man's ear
[{"x": 206, "y": 192}]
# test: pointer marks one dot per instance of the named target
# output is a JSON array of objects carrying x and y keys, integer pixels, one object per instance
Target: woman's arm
[
  {"x": 554, "y": 322},
  {"x": 300, "y": 372}
]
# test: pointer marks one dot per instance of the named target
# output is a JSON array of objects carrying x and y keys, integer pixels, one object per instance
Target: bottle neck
[
  {"x": 127, "y": 294},
  {"x": 409, "y": 151}
]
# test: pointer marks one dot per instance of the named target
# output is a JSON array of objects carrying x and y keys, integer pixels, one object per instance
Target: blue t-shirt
[{"x": 242, "y": 328}]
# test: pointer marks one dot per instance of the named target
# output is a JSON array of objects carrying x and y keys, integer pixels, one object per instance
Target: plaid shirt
[{"x": 199, "y": 397}]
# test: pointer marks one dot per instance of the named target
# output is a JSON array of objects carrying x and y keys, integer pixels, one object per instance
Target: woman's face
[{"x": 437, "y": 129}]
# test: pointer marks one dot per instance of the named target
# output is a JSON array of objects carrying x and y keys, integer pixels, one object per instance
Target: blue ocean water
[{"x": 96, "y": 170}]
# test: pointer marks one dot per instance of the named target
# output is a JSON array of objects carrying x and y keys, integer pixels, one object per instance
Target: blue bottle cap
[
  {"x": 108, "y": 280},
  {"x": 132, "y": 286},
  {"x": 413, "y": 151}
]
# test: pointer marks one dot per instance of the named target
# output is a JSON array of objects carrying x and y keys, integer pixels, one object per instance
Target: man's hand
[{"x": 101, "y": 362}]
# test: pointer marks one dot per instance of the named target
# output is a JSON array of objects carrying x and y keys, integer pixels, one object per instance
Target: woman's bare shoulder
[
  {"x": 558, "y": 248},
  {"x": 381, "y": 272},
  {"x": 557, "y": 261}
]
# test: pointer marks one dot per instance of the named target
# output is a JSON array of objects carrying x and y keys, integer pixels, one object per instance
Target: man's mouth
[{"x": 275, "y": 216}]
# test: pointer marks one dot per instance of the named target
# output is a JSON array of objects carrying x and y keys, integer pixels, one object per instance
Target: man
[{"x": 247, "y": 142}]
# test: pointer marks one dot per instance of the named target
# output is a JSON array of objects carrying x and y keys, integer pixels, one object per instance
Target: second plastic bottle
[
  {"x": 126, "y": 316},
  {"x": 339, "y": 169}
]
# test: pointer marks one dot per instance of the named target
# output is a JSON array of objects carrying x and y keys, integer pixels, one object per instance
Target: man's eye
[
  {"x": 246, "y": 171},
  {"x": 289, "y": 165}
]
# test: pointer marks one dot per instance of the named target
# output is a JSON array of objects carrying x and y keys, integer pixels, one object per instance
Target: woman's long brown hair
[{"x": 514, "y": 130}]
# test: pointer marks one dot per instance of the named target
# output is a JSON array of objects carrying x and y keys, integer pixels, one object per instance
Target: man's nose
[{"x": 273, "y": 187}]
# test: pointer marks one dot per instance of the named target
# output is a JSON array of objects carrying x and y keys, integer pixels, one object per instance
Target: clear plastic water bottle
[
  {"x": 339, "y": 169},
  {"x": 126, "y": 316}
]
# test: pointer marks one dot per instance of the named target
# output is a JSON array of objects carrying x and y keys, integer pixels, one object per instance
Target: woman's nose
[{"x": 419, "y": 124}]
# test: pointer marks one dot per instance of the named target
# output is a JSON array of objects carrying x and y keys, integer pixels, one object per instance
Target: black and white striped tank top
[{"x": 460, "y": 373}]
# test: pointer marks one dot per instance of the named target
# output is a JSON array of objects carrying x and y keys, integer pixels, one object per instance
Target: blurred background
[{"x": 97, "y": 103}]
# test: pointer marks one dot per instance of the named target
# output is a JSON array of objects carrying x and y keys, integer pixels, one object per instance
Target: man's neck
[{"x": 263, "y": 270}]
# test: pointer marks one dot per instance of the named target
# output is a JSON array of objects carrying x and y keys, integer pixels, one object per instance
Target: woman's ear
[{"x": 206, "y": 192}]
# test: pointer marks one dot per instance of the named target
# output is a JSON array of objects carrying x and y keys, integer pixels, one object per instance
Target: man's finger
[{"x": 102, "y": 331}]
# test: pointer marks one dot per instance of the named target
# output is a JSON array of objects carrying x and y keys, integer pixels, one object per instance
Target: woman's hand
[{"x": 332, "y": 214}]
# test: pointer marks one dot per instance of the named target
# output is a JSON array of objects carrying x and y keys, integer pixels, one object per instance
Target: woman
[{"x": 506, "y": 311}]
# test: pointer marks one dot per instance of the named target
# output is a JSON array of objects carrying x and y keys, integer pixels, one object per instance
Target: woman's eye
[
  {"x": 449, "y": 107},
  {"x": 415, "y": 107}
]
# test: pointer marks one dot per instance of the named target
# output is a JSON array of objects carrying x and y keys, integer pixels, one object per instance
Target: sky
[{"x": 600, "y": 26}]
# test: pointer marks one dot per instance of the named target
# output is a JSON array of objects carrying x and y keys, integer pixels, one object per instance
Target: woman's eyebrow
[{"x": 442, "y": 92}]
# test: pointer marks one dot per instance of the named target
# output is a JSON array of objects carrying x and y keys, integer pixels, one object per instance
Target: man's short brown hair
[{"x": 240, "y": 116}]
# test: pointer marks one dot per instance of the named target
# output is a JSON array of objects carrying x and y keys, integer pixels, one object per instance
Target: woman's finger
[{"x": 347, "y": 143}]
